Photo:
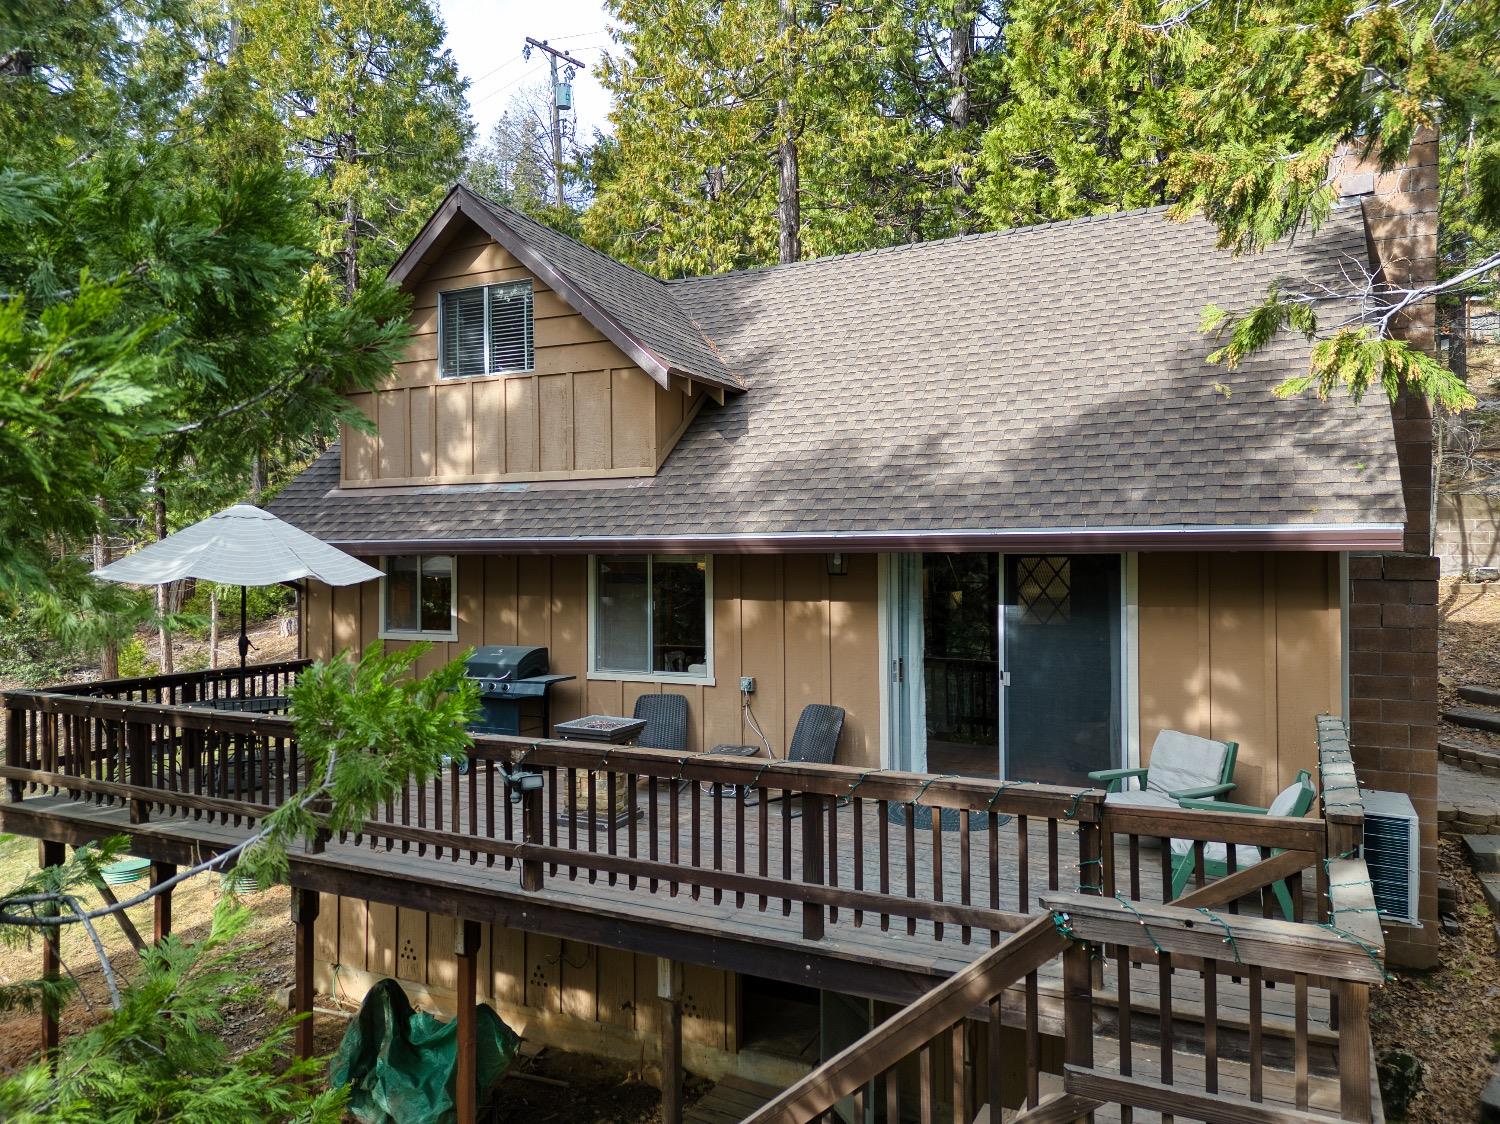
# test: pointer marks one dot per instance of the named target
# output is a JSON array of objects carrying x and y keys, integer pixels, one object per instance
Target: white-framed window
[
  {"x": 486, "y": 330},
  {"x": 419, "y": 597},
  {"x": 651, "y": 617}
]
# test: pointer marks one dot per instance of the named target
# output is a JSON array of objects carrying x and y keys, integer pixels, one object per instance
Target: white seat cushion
[
  {"x": 1142, "y": 798},
  {"x": 1184, "y": 761},
  {"x": 1285, "y": 800},
  {"x": 1244, "y": 856}
]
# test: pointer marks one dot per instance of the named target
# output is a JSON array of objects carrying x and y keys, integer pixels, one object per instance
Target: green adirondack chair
[
  {"x": 1294, "y": 800},
  {"x": 1181, "y": 766}
]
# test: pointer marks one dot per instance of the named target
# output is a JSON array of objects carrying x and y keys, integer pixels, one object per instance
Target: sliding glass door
[
  {"x": 1063, "y": 666},
  {"x": 1007, "y": 665}
]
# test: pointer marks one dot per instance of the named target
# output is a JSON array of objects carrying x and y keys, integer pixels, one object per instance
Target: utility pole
[{"x": 570, "y": 67}]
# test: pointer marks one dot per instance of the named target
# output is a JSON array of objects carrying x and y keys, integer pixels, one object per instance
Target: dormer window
[{"x": 485, "y": 330}]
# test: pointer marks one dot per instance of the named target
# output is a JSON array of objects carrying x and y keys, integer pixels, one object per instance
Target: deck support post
[
  {"x": 161, "y": 902},
  {"x": 1354, "y": 1050},
  {"x": 533, "y": 817},
  {"x": 466, "y": 940},
  {"x": 304, "y": 914},
  {"x": 669, "y": 991},
  {"x": 137, "y": 751},
  {"x": 1091, "y": 879},
  {"x": 1078, "y": 1005},
  {"x": 50, "y": 853},
  {"x": 15, "y": 751},
  {"x": 814, "y": 860}
]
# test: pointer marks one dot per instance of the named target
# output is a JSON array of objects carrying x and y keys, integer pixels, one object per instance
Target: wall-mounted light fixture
[{"x": 838, "y": 564}]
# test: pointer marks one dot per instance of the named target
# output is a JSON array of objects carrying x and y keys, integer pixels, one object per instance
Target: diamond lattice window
[{"x": 1044, "y": 588}]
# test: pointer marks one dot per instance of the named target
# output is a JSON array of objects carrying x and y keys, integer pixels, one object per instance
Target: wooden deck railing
[
  {"x": 956, "y": 857},
  {"x": 1221, "y": 1065},
  {"x": 1040, "y": 871},
  {"x": 265, "y": 680},
  {"x": 1202, "y": 1046}
]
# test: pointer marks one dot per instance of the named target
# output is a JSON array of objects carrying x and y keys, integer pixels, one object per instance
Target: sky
[{"x": 486, "y": 37}]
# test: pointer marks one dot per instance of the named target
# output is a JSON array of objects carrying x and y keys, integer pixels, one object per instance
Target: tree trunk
[
  {"x": 109, "y": 656},
  {"x": 213, "y": 627},
  {"x": 788, "y": 194},
  {"x": 960, "y": 51},
  {"x": 257, "y": 476},
  {"x": 351, "y": 248},
  {"x": 159, "y": 504}
]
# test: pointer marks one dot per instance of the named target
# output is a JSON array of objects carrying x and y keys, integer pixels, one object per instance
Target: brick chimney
[{"x": 1393, "y": 613}]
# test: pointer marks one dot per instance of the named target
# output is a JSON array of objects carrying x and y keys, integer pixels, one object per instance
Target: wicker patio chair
[
  {"x": 815, "y": 740},
  {"x": 666, "y": 721}
]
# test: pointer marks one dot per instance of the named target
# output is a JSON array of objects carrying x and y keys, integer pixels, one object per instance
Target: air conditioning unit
[{"x": 1392, "y": 842}]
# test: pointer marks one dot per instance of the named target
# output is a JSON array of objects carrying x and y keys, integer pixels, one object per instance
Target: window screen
[
  {"x": 486, "y": 330},
  {"x": 419, "y": 593},
  {"x": 651, "y": 614}
]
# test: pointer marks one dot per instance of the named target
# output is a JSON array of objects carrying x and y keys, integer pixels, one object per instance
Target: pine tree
[
  {"x": 1235, "y": 112},
  {"x": 374, "y": 109}
]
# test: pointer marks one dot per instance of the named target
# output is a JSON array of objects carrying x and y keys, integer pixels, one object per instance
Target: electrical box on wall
[{"x": 747, "y": 684}]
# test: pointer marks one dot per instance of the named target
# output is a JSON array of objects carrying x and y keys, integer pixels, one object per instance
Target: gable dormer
[{"x": 531, "y": 358}]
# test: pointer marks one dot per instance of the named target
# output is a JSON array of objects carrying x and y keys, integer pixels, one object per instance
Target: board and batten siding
[
  {"x": 585, "y": 411},
  {"x": 805, "y": 635},
  {"x": 1242, "y": 647},
  {"x": 554, "y": 992}
]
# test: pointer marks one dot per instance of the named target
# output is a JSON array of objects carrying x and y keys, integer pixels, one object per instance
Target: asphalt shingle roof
[
  {"x": 1049, "y": 377},
  {"x": 643, "y": 305}
]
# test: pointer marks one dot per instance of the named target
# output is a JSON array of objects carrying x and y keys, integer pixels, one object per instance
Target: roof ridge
[
  {"x": 975, "y": 236},
  {"x": 579, "y": 242}
]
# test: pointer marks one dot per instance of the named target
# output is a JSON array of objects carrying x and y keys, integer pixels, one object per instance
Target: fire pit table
[{"x": 602, "y": 729}]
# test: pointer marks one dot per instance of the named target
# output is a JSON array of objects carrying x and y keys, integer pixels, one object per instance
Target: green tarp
[{"x": 400, "y": 1063}]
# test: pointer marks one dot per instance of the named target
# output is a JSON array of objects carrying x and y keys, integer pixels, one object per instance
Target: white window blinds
[{"x": 486, "y": 330}]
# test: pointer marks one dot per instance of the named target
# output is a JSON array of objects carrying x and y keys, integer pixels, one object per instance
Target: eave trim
[
  {"x": 1294, "y": 536},
  {"x": 461, "y": 201}
]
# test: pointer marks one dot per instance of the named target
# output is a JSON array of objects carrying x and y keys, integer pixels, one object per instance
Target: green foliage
[
  {"x": 883, "y": 117},
  {"x": 372, "y": 104},
  {"x": 134, "y": 660},
  {"x": 365, "y": 728},
  {"x": 29, "y": 654},
  {"x": 163, "y": 320},
  {"x": 81, "y": 869},
  {"x": 161, "y": 1056},
  {"x": 262, "y": 603},
  {"x": 1235, "y": 112}
]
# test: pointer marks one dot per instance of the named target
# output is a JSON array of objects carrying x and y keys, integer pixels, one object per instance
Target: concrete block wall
[
  {"x": 1393, "y": 614},
  {"x": 1393, "y": 618}
]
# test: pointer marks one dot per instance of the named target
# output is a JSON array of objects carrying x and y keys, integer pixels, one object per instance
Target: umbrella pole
[{"x": 244, "y": 635}]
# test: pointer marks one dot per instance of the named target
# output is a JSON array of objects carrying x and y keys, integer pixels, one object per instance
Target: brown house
[{"x": 985, "y": 494}]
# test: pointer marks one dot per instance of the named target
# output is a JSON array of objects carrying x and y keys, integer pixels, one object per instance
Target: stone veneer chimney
[{"x": 1393, "y": 613}]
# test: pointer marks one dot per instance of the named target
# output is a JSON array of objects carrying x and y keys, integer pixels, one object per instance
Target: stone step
[
  {"x": 1490, "y": 883},
  {"x": 1484, "y": 696},
  {"x": 1469, "y": 755},
  {"x": 1483, "y": 852},
  {"x": 1474, "y": 718}
]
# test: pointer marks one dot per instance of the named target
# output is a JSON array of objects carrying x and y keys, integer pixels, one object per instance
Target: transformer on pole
[{"x": 562, "y": 100}]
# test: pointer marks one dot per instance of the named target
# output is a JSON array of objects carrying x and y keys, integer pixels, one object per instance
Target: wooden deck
[{"x": 892, "y": 886}]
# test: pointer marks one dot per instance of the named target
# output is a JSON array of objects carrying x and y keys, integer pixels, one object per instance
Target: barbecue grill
[{"x": 514, "y": 689}]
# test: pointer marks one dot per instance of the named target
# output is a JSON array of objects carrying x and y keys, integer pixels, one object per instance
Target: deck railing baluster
[
  {"x": 883, "y": 810},
  {"x": 610, "y": 821},
  {"x": 717, "y": 792},
  {"x": 857, "y": 820},
  {"x": 632, "y": 782},
  {"x": 965, "y": 931},
  {"x": 739, "y": 840}
]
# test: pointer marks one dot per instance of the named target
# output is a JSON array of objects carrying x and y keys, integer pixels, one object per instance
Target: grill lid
[{"x": 508, "y": 662}]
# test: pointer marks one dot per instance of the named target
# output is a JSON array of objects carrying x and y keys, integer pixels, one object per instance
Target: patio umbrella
[{"x": 243, "y": 546}]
